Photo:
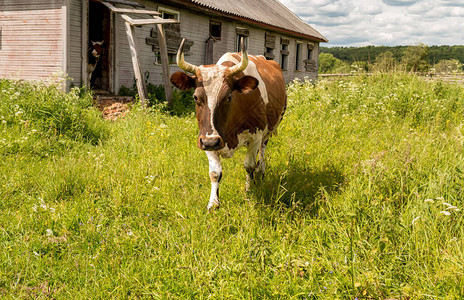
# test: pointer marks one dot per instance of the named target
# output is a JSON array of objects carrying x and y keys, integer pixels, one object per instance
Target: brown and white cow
[
  {"x": 95, "y": 52},
  {"x": 239, "y": 101}
]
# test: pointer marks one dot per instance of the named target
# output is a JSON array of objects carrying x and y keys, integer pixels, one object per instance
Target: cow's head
[
  {"x": 215, "y": 88},
  {"x": 96, "y": 49}
]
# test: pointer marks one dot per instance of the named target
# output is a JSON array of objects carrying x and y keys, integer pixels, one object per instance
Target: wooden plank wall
[{"x": 31, "y": 45}]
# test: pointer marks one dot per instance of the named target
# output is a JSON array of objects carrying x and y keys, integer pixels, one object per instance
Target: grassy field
[{"x": 363, "y": 199}]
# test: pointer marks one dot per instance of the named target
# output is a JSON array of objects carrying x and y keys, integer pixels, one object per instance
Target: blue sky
[{"x": 384, "y": 22}]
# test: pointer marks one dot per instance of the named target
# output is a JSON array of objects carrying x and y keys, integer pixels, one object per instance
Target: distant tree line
[{"x": 419, "y": 58}]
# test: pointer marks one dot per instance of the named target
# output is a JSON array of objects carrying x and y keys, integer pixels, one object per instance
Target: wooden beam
[
  {"x": 139, "y": 22},
  {"x": 141, "y": 88},
  {"x": 165, "y": 63},
  {"x": 129, "y": 10},
  {"x": 126, "y": 2}
]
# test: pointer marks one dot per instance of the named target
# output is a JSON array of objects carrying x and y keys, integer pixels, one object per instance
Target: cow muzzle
[{"x": 210, "y": 143}]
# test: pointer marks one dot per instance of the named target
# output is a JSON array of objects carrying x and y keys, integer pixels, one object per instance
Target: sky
[{"x": 383, "y": 22}]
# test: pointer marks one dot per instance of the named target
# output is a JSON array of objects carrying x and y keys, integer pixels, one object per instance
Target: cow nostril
[{"x": 218, "y": 141}]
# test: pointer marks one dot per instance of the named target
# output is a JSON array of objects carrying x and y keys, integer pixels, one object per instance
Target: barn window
[
  {"x": 167, "y": 13},
  {"x": 298, "y": 56},
  {"x": 172, "y": 57},
  {"x": 215, "y": 29},
  {"x": 310, "y": 52},
  {"x": 310, "y": 62},
  {"x": 241, "y": 33},
  {"x": 284, "y": 53},
  {"x": 173, "y": 40},
  {"x": 269, "y": 46}
]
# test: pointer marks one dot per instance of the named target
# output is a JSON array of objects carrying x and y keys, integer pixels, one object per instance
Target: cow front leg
[
  {"x": 250, "y": 163},
  {"x": 215, "y": 174},
  {"x": 261, "y": 168}
]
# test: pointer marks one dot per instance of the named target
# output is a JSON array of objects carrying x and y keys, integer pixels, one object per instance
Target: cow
[
  {"x": 94, "y": 54},
  {"x": 239, "y": 101}
]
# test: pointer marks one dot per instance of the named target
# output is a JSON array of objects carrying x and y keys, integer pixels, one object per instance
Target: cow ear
[
  {"x": 246, "y": 84},
  {"x": 183, "y": 81}
]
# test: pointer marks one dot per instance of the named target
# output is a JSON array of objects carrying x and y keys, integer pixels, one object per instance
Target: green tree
[
  {"x": 326, "y": 62},
  {"x": 415, "y": 58},
  {"x": 385, "y": 62}
]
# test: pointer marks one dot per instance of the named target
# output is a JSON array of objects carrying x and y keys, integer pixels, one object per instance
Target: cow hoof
[
  {"x": 247, "y": 186},
  {"x": 214, "y": 204}
]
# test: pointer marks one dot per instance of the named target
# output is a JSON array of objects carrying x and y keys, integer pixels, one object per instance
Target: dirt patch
[{"x": 113, "y": 107}]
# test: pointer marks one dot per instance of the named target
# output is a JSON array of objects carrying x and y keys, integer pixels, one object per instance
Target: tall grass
[
  {"x": 362, "y": 199},
  {"x": 39, "y": 118}
]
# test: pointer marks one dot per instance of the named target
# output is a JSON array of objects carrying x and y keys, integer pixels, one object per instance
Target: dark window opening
[
  {"x": 167, "y": 14},
  {"x": 284, "y": 57},
  {"x": 298, "y": 57},
  {"x": 215, "y": 29}
]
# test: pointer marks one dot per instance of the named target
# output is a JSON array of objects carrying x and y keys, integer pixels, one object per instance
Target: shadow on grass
[{"x": 297, "y": 185}]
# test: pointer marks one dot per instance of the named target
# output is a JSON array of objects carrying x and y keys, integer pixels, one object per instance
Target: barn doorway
[{"x": 100, "y": 20}]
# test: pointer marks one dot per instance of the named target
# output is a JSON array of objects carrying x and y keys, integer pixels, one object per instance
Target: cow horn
[
  {"x": 239, "y": 68},
  {"x": 182, "y": 63}
]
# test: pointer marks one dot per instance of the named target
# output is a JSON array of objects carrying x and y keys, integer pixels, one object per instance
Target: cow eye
[
  {"x": 195, "y": 98},
  {"x": 229, "y": 98}
]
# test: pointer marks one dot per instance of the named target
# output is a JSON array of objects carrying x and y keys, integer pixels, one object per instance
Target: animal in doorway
[
  {"x": 239, "y": 101},
  {"x": 94, "y": 54}
]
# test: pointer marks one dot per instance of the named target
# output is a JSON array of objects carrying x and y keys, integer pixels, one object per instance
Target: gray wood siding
[
  {"x": 31, "y": 45},
  {"x": 74, "y": 66}
]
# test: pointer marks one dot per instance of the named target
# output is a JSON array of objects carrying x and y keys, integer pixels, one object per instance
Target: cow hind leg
[{"x": 215, "y": 174}]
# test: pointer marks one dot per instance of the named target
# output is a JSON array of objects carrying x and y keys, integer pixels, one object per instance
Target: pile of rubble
[{"x": 113, "y": 107}]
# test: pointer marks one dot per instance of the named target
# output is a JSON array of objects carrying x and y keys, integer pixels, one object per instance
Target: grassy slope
[{"x": 342, "y": 211}]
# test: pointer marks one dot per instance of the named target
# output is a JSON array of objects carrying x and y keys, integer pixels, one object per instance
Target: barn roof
[{"x": 264, "y": 12}]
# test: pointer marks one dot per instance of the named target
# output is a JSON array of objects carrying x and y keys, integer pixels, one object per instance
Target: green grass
[{"x": 351, "y": 205}]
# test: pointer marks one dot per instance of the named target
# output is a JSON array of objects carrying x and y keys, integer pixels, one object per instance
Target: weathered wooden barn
[{"x": 40, "y": 39}]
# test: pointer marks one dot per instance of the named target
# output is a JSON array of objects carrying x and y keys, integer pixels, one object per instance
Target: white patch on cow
[
  {"x": 245, "y": 137},
  {"x": 212, "y": 82},
  {"x": 250, "y": 70}
]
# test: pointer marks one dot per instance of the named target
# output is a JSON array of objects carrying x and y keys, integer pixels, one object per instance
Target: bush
[
  {"x": 448, "y": 66},
  {"x": 329, "y": 64},
  {"x": 30, "y": 112}
]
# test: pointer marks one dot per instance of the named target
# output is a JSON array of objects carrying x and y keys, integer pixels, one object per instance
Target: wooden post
[
  {"x": 141, "y": 88},
  {"x": 165, "y": 63},
  {"x": 85, "y": 43}
]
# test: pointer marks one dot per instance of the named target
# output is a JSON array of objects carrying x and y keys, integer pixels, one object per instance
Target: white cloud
[{"x": 384, "y": 22}]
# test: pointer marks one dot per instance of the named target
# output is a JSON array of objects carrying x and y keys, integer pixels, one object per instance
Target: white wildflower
[
  {"x": 446, "y": 213},
  {"x": 429, "y": 200},
  {"x": 452, "y": 207},
  {"x": 49, "y": 232}
]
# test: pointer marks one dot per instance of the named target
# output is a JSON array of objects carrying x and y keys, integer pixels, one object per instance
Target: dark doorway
[{"x": 100, "y": 30}]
